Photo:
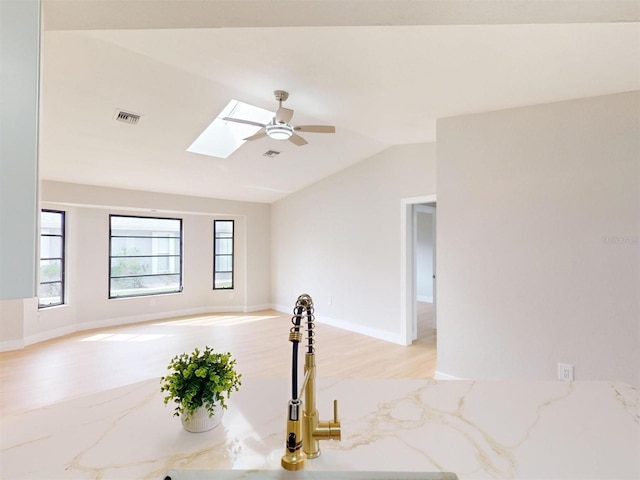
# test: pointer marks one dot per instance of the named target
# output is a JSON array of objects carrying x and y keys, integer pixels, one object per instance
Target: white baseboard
[
  {"x": 445, "y": 376},
  {"x": 362, "y": 329},
  {"x": 159, "y": 316},
  {"x": 55, "y": 333},
  {"x": 282, "y": 309},
  {"x": 351, "y": 327},
  {"x": 108, "y": 322},
  {"x": 118, "y": 321},
  {"x": 258, "y": 308},
  {"x": 9, "y": 345}
]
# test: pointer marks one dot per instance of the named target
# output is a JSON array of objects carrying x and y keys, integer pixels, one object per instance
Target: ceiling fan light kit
[
  {"x": 279, "y": 131},
  {"x": 279, "y": 128}
]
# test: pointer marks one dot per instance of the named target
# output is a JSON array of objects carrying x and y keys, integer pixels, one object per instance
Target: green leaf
[{"x": 200, "y": 378}]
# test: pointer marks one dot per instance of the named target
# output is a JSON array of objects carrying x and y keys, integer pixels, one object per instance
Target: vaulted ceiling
[{"x": 382, "y": 72}]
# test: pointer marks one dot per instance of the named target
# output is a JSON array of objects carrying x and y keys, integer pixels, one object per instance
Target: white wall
[
  {"x": 87, "y": 248},
  {"x": 528, "y": 201},
  {"x": 339, "y": 240}
]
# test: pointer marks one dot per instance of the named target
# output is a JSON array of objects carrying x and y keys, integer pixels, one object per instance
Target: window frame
[
  {"x": 180, "y": 255},
  {"x": 232, "y": 254},
  {"x": 62, "y": 236}
]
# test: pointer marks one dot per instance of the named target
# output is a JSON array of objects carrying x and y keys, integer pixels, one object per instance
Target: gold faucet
[{"x": 304, "y": 429}]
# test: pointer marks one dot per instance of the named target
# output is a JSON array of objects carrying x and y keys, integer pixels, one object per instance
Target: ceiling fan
[{"x": 279, "y": 128}]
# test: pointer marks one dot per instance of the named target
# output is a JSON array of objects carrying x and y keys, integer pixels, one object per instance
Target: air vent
[
  {"x": 126, "y": 117},
  {"x": 270, "y": 153}
]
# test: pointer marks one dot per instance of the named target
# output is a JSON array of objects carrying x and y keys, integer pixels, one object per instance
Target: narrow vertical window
[
  {"x": 51, "y": 287},
  {"x": 222, "y": 254},
  {"x": 145, "y": 256}
]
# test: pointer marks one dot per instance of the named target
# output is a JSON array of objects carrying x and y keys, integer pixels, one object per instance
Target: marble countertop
[{"x": 550, "y": 430}]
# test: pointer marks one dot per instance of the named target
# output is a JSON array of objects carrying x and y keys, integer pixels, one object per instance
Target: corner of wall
[{"x": 11, "y": 324}]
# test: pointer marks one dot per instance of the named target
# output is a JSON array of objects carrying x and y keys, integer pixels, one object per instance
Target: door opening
[
  {"x": 410, "y": 208},
  {"x": 424, "y": 267}
]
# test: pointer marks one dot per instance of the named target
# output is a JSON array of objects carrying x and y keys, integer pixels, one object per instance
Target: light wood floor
[{"x": 97, "y": 360}]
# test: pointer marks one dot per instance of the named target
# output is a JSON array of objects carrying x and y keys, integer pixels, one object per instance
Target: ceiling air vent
[
  {"x": 126, "y": 117},
  {"x": 270, "y": 153}
]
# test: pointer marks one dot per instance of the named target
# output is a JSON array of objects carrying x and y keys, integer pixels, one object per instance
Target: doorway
[
  {"x": 424, "y": 267},
  {"x": 409, "y": 269}
]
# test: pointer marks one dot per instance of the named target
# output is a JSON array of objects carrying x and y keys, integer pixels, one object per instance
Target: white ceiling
[{"x": 380, "y": 83}]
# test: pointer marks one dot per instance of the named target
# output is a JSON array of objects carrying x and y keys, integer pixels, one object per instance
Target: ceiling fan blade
[
  {"x": 315, "y": 128},
  {"x": 284, "y": 115},
  {"x": 246, "y": 122},
  {"x": 298, "y": 140},
  {"x": 261, "y": 133}
]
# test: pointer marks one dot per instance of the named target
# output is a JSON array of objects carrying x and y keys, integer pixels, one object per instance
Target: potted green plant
[{"x": 199, "y": 384}]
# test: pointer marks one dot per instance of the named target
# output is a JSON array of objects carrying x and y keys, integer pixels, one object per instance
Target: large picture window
[
  {"x": 145, "y": 256},
  {"x": 222, "y": 254},
  {"x": 51, "y": 287}
]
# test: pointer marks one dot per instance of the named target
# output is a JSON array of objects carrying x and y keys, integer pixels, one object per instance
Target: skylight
[{"x": 222, "y": 138}]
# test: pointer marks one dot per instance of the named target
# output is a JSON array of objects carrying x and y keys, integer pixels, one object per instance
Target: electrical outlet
[
  {"x": 329, "y": 300},
  {"x": 565, "y": 372}
]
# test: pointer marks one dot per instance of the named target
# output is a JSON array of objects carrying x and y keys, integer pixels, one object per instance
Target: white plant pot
[{"x": 200, "y": 421}]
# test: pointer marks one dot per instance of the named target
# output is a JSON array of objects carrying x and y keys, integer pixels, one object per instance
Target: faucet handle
[{"x": 335, "y": 429}]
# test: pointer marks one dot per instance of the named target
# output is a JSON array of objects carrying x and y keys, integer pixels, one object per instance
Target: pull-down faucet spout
[{"x": 304, "y": 429}]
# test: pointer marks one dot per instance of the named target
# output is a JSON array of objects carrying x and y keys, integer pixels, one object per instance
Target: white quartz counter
[{"x": 550, "y": 430}]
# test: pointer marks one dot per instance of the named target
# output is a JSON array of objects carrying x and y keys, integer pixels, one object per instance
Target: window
[
  {"x": 222, "y": 254},
  {"x": 221, "y": 138},
  {"x": 145, "y": 256},
  {"x": 51, "y": 288}
]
